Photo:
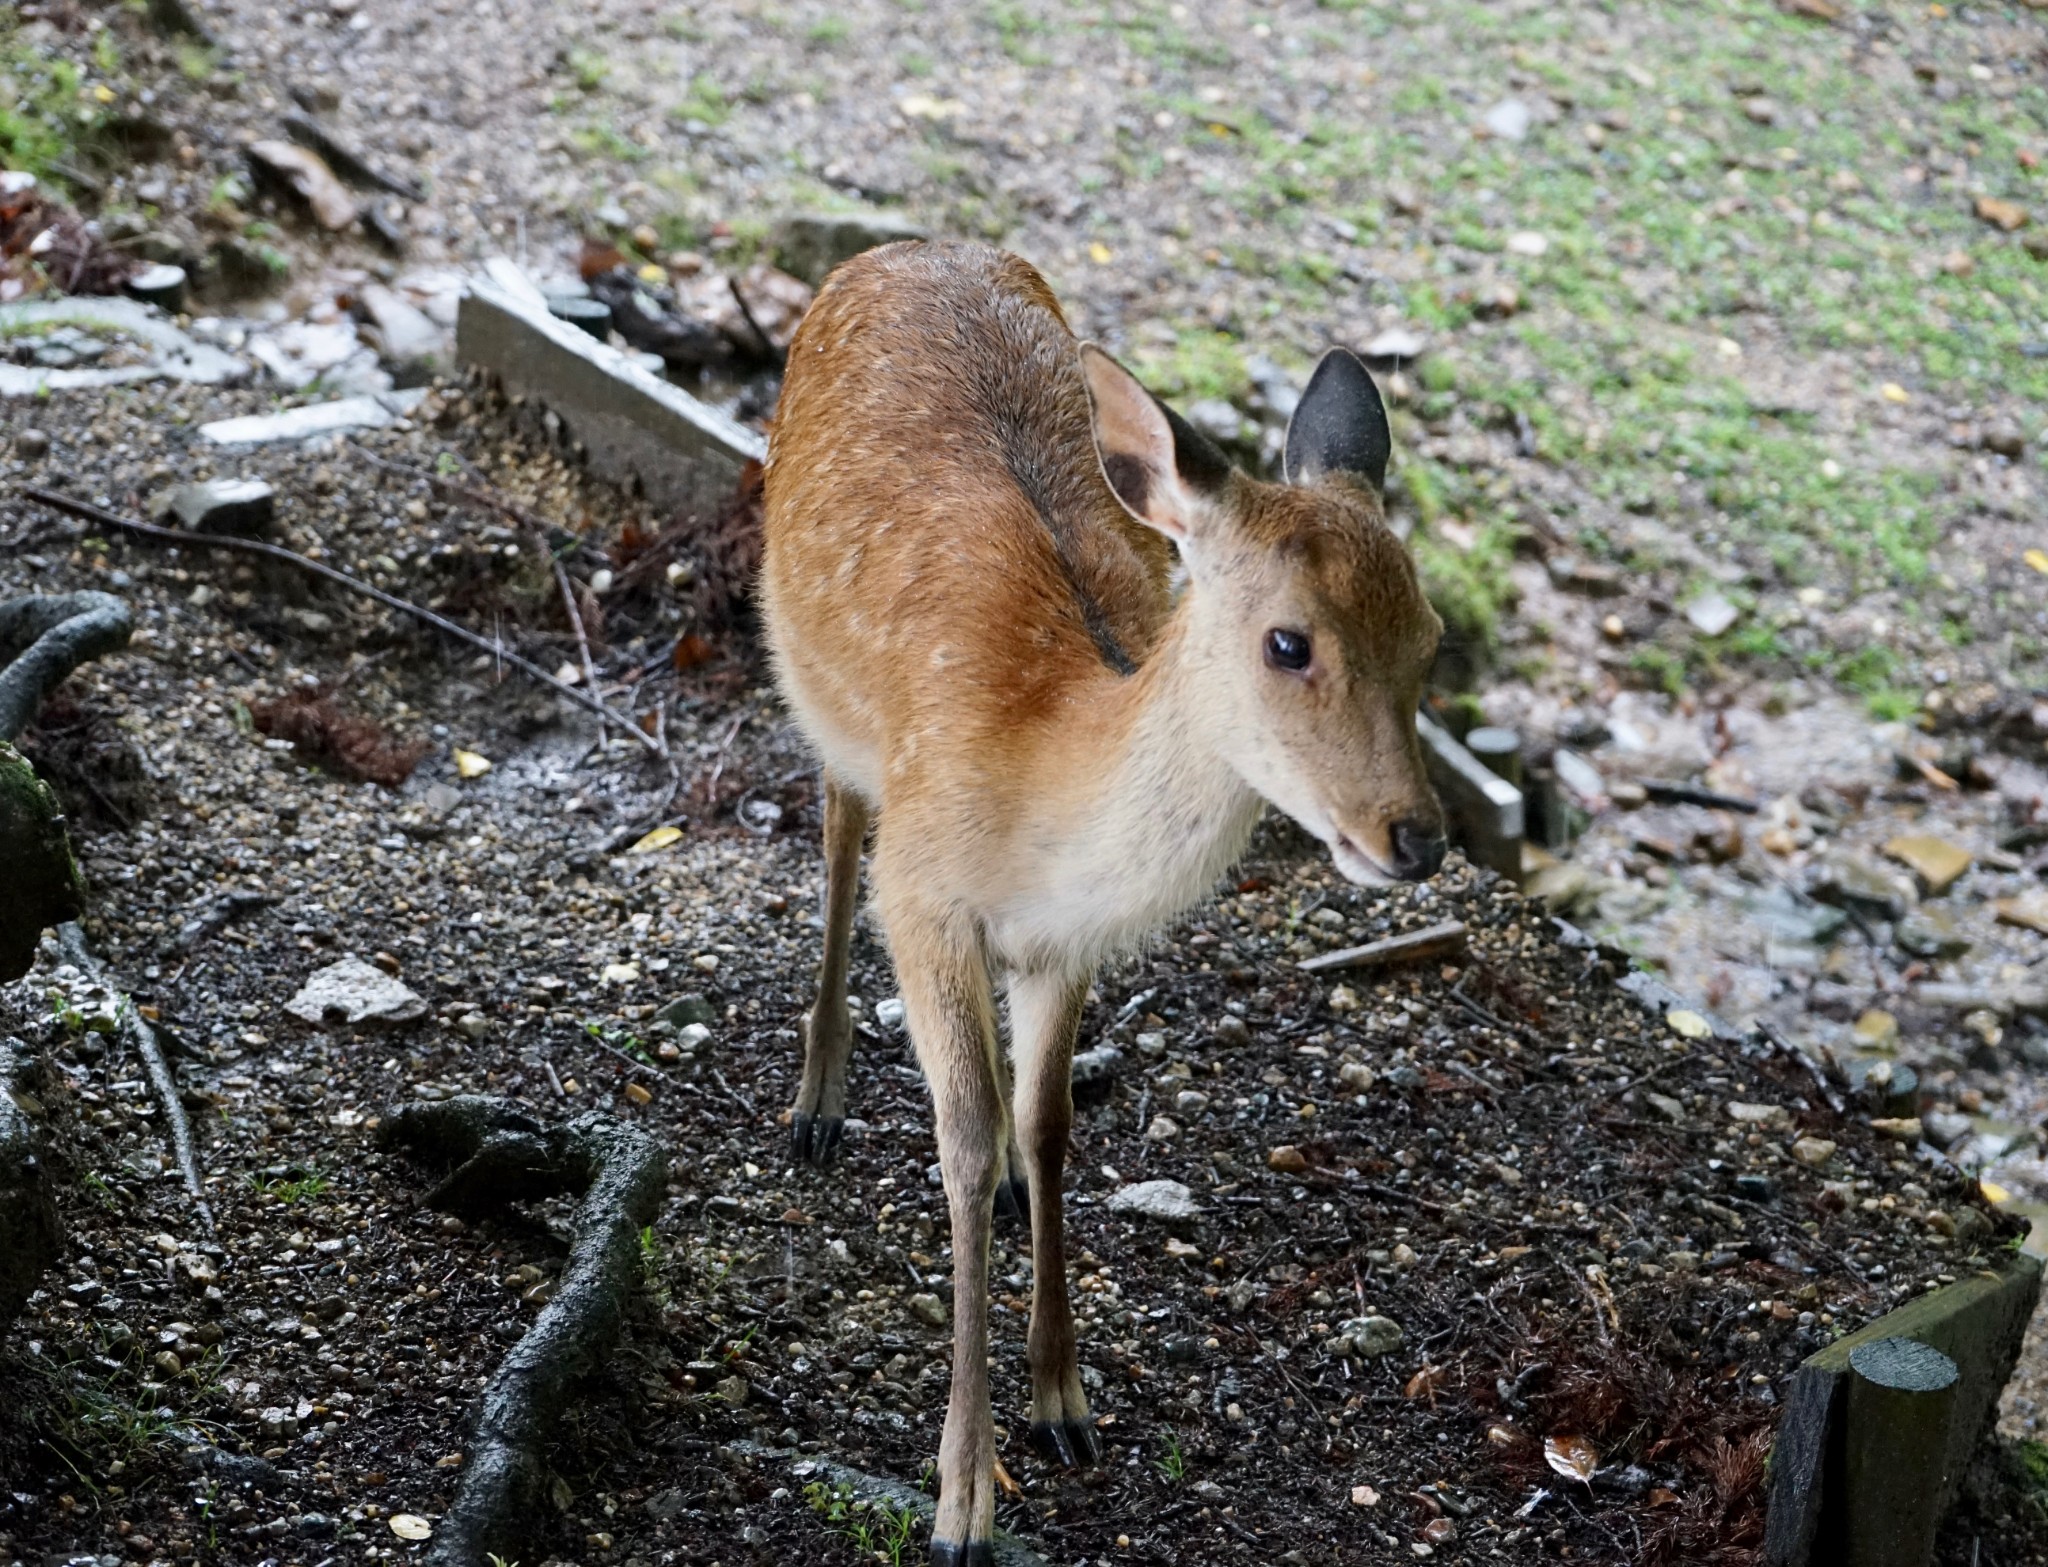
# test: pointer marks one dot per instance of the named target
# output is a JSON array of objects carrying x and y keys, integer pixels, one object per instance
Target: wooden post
[
  {"x": 1499, "y": 751},
  {"x": 1902, "y": 1398}
]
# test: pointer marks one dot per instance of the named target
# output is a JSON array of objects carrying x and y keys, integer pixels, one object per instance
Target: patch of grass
[
  {"x": 304, "y": 1189},
  {"x": 877, "y": 1531},
  {"x": 1173, "y": 1463},
  {"x": 1201, "y": 364},
  {"x": 47, "y": 116},
  {"x": 703, "y": 100},
  {"x": 602, "y": 139},
  {"x": 827, "y": 31},
  {"x": 588, "y": 68}
]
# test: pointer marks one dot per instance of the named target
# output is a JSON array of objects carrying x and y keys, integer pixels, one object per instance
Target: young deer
[{"x": 971, "y": 521}]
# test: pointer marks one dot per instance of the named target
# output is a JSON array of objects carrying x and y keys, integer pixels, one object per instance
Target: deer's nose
[{"x": 1418, "y": 848}]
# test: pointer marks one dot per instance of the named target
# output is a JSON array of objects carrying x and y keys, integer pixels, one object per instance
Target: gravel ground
[{"x": 1464, "y": 1154}]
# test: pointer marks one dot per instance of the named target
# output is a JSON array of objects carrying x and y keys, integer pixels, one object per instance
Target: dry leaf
[
  {"x": 1571, "y": 1456},
  {"x": 1660, "y": 1497},
  {"x": 2038, "y": 559},
  {"x": 410, "y": 1526},
  {"x": 660, "y": 838},
  {"x": 1424, "y": 1383}
]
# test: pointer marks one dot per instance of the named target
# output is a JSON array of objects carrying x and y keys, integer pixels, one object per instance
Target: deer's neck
[{"x": 1141, "y": 813}]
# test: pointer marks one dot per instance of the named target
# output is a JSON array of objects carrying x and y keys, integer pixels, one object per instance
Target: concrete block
[
  {"x": 635, "y": 427},
  {"x": 1485, "y": 810},
  {"x": 1977, "y": 1322}
]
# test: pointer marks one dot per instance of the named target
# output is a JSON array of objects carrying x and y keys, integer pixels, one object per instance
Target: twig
[
  {"x": 768, "y": 349},
  {"x": 71, "y": 941},
  {"x": 576, "y": 625},
  {"x": 218, "y": 915},
  {"x": 718, "y": 761},
  {"x": 178, "y": 536},
  {"x": 1629, "y": 1083},
  {"x": 1686, "y": 794},
  {"x": 1443, "y": 940}
]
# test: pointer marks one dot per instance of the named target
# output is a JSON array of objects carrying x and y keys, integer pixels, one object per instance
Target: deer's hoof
[
  {"x": 814, "y": 1139},
  {"x": 1013, "y": 1200},
  {"x": 1070, "y": 1442},
  {"x": 967, "y": 1553}
]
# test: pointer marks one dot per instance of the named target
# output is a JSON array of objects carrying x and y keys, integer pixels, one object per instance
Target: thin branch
[
  {"x": 149, "y": 530},
  {"x": 135, "y": 1028}
]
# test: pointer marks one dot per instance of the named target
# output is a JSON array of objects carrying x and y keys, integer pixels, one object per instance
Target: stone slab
[
  {"x": 636, "y": 428},
  {"x": 1485, "y": 810},
  {"x": 173, "y": 354},
  {"x": 1978, "y": 1322}
]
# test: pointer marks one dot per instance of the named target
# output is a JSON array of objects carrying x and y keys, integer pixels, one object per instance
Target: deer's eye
[{"x": 1287, "y": 650}]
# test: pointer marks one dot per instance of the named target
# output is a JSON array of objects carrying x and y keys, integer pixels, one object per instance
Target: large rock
[
  {"x": 811, "y": 244},
  {"x": 44, "y": 887},
  {"x": 1168, "y": 1201},
  {"x": 353, "y": 991},
  {"x": 30, "y": 1234}
]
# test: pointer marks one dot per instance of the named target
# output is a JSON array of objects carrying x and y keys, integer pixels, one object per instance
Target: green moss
[{"x": 1201, "y": 364}]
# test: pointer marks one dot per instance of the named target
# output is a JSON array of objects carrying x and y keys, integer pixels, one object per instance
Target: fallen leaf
[
  {"x": 691, "y": 651},
  {"x": 1100, "y": 254},
  {"x": 638, "y": 1095},
  {"x": 1993, "y": 1192},
  {"x": 449, "y": 1461},
  {"x": 410, "y": 1526},
  {"x": 1424, "y": 1383},
  {"x": 1688, "y": 1025},
  {"x": 1892, "y": 392},
  {"x": 471, "y": 764},
  {"x": 2007, "y": 215},
  {"x": 660, "y": 838},
  {"x": 1571, "y": 1456},
  {"x": 2038, "y": 559},
  {"x": 315, "y": 182},
  {"x": 1660, "y": 1497}
]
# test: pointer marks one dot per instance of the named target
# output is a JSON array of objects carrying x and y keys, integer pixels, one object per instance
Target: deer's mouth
[{"x": 1356, "y": 866}]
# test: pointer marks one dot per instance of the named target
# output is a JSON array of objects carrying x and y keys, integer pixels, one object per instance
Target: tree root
[
  {"x": 501, "y": 1154},
  {"x": 31, "y": 1237},
  {"x": 136, "y": 1030},
  {"x": 44, "y": 638}
]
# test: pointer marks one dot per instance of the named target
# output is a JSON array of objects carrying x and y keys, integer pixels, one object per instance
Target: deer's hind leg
[{"x": 818, "y": 1119}]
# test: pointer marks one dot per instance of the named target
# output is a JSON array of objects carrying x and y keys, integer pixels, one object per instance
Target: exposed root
[
  {"x": 31, "y": 1237},
  {"x": 44, "y": 638},
  {"x": 136, "y": 1030},
  {"x": 501, "y": 1154}
]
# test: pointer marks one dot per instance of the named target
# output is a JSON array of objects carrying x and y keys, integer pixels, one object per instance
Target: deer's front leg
[
  {"x": 947, "y": 1003},
  {"x": 1045, "y": 1012}
]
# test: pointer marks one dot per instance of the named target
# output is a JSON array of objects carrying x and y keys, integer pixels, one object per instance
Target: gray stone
[
  {"x": 1167, "y": 1201},
  {"x": 1509, "y": 119},
  {"x": 31, "y": 445},
  {"x": 685, "y": 1010},
  {"x": 1094, "y": 1070},
  {"x": 1372, "y": 1337},
  {"x": 407, "y": 340},
  {"x": 299, "y": 424},
  {"x": 243, "y": 507},
  {"x": 811, "y": 244},
  {"x": 1395, "y": 345},
  {"x": 1933, "y": 932},
  {"x": 160, "y": 283},
  {"x": 928, "y": 1308},
  {"x": 1220, "y": 421},
  {"x": 1782, "y": 915},
  {"x": 635, "y": 427},
  {"x": 1711, "y": 613},
  {"x": 355, "y": 992},
  {"x": 168, "y": 354},
  {"x": 1851, "y": 881}
]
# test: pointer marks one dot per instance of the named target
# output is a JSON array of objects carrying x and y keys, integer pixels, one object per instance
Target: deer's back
[{"x": 944, "y": 562}]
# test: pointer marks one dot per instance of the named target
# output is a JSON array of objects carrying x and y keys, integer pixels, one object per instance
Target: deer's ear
[
  {"x": 1163, "y": 470},
  {"x": 1340, "y": 426}
]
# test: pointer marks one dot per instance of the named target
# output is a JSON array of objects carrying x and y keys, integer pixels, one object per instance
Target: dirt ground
[{"x": 1718, "y": 431}]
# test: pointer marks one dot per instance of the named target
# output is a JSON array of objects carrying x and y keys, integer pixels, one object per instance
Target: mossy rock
[{"x": 46, "y": 888}]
